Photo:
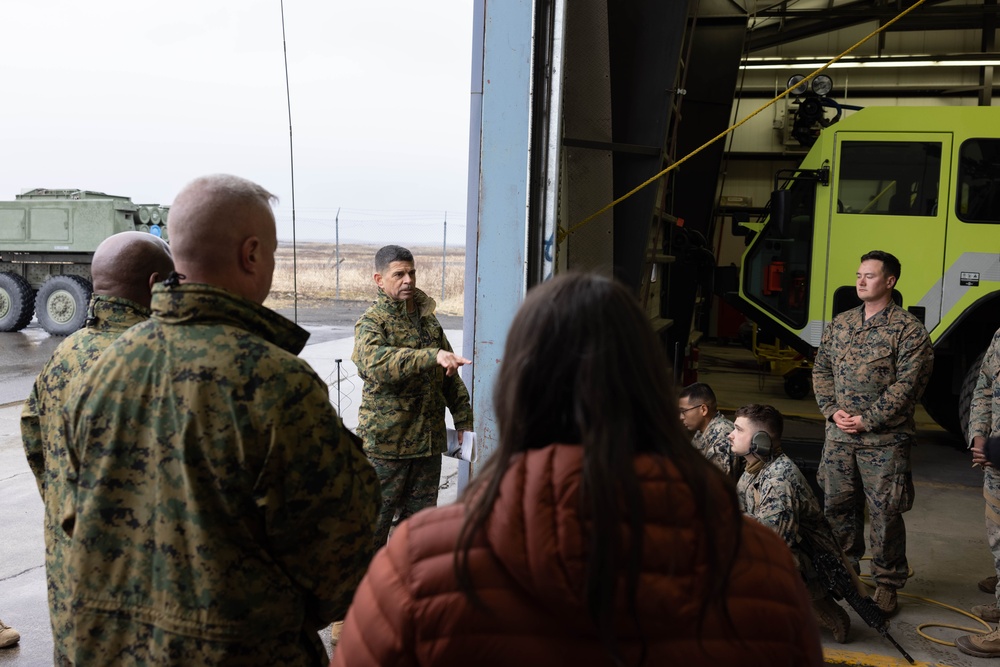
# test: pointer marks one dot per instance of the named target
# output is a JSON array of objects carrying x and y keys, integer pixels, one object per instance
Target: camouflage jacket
[
  {"x": 779, "y": 497},
  {"x": 41, "y": 420},
  {"x": 984, "y": 414},
  {"x": 406, "y": 392},
  {"x": 714, "y": 442},
  {"x": 222, "y": 514},
  {"x": 877, "y": 368}
]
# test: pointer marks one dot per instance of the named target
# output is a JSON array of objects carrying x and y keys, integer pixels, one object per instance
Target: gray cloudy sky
[{"x": 137, "y": 97}]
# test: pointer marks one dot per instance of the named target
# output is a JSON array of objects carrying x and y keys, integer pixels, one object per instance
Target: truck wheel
[
  {"x": 940, "y": 402},
  {"x": 798, "y": 383},
  {"x": 17, "y": 302},
  {"x": 62, "y": 304},
  {"x": 965, "y": 398}
]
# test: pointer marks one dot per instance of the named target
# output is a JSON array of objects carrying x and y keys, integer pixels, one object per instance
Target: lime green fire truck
[{"x": 920, "y": 182}]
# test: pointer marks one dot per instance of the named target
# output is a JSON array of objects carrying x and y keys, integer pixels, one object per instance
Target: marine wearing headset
[{"x": 773, "y": 490}]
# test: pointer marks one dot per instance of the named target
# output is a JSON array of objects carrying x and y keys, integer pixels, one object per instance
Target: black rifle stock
[{"x": 837, "y": 580}]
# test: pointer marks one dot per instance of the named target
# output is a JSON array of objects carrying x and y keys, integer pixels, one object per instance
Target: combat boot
[
  {"x": 885, "y": 598},
  {"x": 982, "y": 646},
  {"x": 8, "y": 635},
  {"x": 987, "y": 612},
  {"x": 833, "y": 617},
  {"x": 989, "y": 584}
]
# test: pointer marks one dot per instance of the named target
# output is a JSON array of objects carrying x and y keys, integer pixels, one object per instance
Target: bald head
[
  {"x": 222, "y": 233},
  {"x": 128, "y": 264}
]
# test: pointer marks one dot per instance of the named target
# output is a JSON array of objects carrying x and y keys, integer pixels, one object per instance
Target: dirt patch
[
  {"x": 323, "y": 272},
  {"x": 334, "y": 313}
]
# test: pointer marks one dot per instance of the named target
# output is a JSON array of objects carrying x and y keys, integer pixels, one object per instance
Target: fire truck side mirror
[{"x": 780, "y": 210}]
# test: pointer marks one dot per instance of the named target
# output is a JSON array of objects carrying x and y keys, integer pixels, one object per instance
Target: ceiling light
[{"x": 891, "y": 61}]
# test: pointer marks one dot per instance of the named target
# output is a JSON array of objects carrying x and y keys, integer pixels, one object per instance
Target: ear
[
  {"x": 703, "y": 410},
  {"x": 154, "y": 278},
  {"x": 250, "y": 256},
  {"x": 378, "y": 279},
  {"x": 891, "y": 281}
]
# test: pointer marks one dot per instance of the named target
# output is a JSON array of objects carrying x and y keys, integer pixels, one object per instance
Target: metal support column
[{"x": 498, "y": 196}]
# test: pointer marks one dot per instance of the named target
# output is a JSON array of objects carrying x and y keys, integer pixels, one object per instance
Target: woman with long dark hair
[{"x": 595, "y": 534}]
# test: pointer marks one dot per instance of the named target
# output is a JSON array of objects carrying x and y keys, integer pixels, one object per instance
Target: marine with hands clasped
[
  {"x": 984, "y": 443},
  {"x": 871, "y": 368}
]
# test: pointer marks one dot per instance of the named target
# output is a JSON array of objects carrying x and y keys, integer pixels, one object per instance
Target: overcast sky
[{"x": 137, "y": 97}]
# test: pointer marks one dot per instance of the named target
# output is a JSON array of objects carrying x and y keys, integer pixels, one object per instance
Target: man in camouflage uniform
[
  {"x": 984, "y": 423},
  {"x": 410, "y": 377},
  {"x": 700, "y": 414},
  {"x": 773, "y": 490},
  {"x": 221, "y": 512},
  {"x": 872, "y": 366},
  {"x": 124, "y": 269}
]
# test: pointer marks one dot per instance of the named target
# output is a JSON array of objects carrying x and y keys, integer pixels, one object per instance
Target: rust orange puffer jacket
[{"x": 528, "y": 567}]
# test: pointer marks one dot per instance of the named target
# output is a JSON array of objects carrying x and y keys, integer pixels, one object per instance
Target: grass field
[{"x": 316, "y": 275}]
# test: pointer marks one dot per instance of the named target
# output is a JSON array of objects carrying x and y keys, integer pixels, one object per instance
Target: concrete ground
[{"x": 946, "y": 536}]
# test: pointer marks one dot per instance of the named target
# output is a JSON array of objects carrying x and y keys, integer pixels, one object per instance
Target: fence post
[
  {"x": 444, "y": 253},
  {"x": 338, "y": 388},
  {"x": 336, "y": 226}
]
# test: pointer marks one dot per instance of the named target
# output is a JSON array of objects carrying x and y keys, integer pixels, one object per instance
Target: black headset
[{"x": 760, "y": 445}]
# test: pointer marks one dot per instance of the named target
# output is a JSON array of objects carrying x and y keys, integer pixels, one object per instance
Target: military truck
[
  {"x": 922, "y": 183},
  {"x": 47, "y": 241}
]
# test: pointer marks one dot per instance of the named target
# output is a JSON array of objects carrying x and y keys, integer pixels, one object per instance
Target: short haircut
[
  {"x": 389, "y": 254},
  {"x": 890, "y": 265},
  {"x": 764, "y": 416},
  {"x": 699, "y": 392}
]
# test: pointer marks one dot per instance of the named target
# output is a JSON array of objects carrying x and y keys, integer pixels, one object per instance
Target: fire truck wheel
[{"x": 798, "y": 383}]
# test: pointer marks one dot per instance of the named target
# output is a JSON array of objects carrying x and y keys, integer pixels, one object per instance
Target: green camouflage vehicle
[
  {"x": 47, "y": 242},
  {"x": 920, "y": 182}
]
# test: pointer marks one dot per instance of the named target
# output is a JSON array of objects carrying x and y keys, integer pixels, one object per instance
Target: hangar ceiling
[{"x": 957, "y": 36}]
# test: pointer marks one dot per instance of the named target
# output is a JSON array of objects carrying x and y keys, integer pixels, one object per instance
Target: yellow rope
[
  {"x": 920, "y": 628},
  {"x": 562, "y": 234}
]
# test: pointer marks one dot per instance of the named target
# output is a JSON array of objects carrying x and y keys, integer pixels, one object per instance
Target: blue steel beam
[{"x": 495, "y": 276}]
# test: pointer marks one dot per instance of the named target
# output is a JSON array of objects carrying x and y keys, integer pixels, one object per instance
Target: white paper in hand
[{"x": 467, "y": 450}]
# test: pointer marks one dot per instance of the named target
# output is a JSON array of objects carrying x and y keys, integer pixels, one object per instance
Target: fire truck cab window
[
  {"x": 889, "y": 178},
  {"x": 978, "y": 197}
]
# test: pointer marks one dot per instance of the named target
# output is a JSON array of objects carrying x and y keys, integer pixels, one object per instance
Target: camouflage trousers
[
  {"x": 991, "y": 492},
  {"x": 882, "y": 478},
  {"x": 408, "y": 486}
]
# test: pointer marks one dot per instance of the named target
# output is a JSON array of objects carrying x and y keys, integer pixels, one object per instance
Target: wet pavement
[{"x": 22, "y": 355}]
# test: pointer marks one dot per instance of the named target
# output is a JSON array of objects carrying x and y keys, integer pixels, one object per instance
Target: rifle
[{"x": 837, "y": 580}]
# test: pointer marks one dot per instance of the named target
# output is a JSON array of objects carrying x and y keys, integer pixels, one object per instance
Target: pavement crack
[
  {"x": 15, "y": 576},
  {"x": 19, "y": 474}
]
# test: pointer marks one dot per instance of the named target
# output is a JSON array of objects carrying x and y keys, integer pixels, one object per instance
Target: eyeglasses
[{"x": 686, "y": 410}]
